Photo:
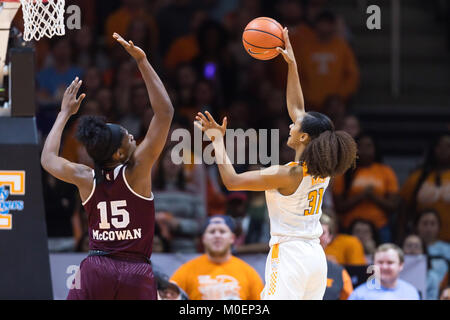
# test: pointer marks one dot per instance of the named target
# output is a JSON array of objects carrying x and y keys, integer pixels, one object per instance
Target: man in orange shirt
[
  {"x": 327, "y": 64},
  {"x": 217, "y": 274}
]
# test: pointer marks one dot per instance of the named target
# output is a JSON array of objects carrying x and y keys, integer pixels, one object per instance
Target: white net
[{"x": 43, "y": 18}]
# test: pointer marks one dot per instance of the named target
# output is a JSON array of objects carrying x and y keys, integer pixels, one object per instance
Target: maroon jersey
[{"x": 120, "y": 221}]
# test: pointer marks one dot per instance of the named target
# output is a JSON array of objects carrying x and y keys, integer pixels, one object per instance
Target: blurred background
[{"x": 389, "y": 88}]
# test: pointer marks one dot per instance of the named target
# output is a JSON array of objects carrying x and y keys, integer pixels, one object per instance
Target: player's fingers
[
  {"x": 77, "y": 86},
  {"x": 281, "y": 50},
  {"x": 286, "y": 36},
  {"x": 224, "y": 122},
  {"x": 120, "y": 40},
  {"x": 81, "y": 98},
  {"x": 131, "y": 43},
  {"x": 202, "y": 117},
  {"x": 72, "y": 85},
  {"x": 210, "y": 117}
]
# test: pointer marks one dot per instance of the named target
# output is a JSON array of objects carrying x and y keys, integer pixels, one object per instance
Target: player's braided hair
[
  {"x": 100, "y": 139},
  {"x": 329, "y": 152}
]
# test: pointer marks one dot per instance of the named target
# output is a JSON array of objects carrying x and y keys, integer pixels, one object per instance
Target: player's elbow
[{"x": 44, "y": 161}]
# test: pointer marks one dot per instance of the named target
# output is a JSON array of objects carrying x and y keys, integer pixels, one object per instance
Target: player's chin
[{"x": 290, "y": 143}]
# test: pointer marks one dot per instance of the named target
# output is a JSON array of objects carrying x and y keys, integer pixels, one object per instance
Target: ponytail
[{"x": 329, "y": 154}]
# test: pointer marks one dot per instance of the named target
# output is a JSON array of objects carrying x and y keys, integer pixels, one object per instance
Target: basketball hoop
[{"x": 42, "y": 18}]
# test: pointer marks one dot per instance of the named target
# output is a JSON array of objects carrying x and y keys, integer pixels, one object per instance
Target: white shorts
[{"x": 295, "y": 270}]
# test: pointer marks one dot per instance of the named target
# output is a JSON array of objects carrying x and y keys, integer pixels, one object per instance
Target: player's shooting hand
[
  {"x": 287, "y": 52},
  {"x": 137, "y": 53},
  {"x": 70, "y": 102},
  {"x": 209, "y": 126}
]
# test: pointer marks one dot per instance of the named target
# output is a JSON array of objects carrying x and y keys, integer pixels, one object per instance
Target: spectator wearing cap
[
  {"x": 388, "y": 260},
  {"x": 217, "y": 274}
]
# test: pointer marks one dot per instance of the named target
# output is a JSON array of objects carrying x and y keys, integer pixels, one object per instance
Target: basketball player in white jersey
[{"x": 296, "y": 266}]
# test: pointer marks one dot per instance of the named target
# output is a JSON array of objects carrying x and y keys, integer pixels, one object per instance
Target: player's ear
[
  {"x": 304, "y": 137},
  {"x": 119, "y": 154}
]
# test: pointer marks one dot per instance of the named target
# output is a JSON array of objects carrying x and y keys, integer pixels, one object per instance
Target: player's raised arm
[
  {"x": 150, "y": 148},
  {"x": 294, "y": 94},
  {"x": 57, "y": 166},
  {"x": 275, "y": 177}
]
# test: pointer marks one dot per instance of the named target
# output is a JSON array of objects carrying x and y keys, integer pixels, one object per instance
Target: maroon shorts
[{"x": 105, "y": 278}]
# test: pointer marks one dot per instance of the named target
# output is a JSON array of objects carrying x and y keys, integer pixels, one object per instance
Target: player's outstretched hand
[
  {"x": 209, "y": 126},
  {"x": 70, "y": 103},
  {"x": 287, "y": 52},
  {"x": 137, "y": 53}
]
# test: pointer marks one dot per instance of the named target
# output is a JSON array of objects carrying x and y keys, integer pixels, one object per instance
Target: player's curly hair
[
  {"x": 329, "y": 152},
  {"x": 99, "y": 140}
]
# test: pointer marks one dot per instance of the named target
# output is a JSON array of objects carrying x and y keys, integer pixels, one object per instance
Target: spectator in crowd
[
  {"x": 351, "y": 125},
  {"x": 120, "y": 20},
  {"x": 429, "y": 186},
  {"x": 339, "y": 283},
  {"x": 179, "y": 212},
  {"x": 185, "y": 48},
  {"x": 388, "y": 259},
  {"x": 414, "y": 245},
  {"x": 327, "y": 64},
  {"x": 366, "y": 232},
  {"x": 168, "y": 290},
  {"x": 445, "y": 294},
  {"x": 93, "y": 81},
  {"x": 335, "y": 108},
  {"x": 217, "y": 274},
  {"x": 106, "y": 105},
  {"x": 89, "y": 53},
  {"x": 53, "y": 80},
  {"x": 369, "y": 192},
  {"x": 214, "y": 61},
  {"x": 341, "y": 248},
  {"x": 173, "y": 19},
  {"x": 132, "y": 120},
  {"x": 142, "y": 34},
  {"x": 427, "y": 226}
]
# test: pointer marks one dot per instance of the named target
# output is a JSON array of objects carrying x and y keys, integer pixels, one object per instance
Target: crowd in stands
[{"x": 196, "y": 48}]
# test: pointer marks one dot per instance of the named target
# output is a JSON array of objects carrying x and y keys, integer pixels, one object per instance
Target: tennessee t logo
[{"x": 15, "y": 180}]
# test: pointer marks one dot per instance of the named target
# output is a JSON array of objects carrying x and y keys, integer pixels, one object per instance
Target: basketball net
[{"x": 43, "y": 18}]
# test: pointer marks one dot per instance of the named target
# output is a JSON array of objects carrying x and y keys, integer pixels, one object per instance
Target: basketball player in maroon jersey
[{"x": 117, "y": 195}]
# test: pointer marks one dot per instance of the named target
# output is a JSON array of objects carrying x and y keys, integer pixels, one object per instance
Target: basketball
[{"x": 261, "y": 37}]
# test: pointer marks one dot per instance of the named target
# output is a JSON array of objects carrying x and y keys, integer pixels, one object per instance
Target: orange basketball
[{"x": 261, "y": 37}]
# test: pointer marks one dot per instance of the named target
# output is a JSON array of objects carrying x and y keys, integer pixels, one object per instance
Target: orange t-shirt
[
  {"x": 120, "y": 20},
  {"x": 183, "y": 49},
  {"x": 431, "y": 196},
  {"x": 346, "y": 250},
  {"x": 327, "y": 69},
  {"x": 202, "y": 279},
  {"x": 384, "y": 181}
]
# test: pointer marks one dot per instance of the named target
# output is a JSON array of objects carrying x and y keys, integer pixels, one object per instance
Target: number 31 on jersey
[{"x": 315, "y": 198}]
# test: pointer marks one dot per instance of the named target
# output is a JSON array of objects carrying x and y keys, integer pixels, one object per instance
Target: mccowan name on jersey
[{"x": 117, "y": 235}]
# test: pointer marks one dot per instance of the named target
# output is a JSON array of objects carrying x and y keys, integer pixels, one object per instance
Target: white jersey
[{"x": 297, "y": 216}]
